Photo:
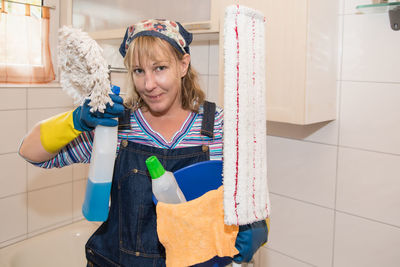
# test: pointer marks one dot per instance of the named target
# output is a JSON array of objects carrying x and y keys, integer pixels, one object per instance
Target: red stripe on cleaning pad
[
  {"x": 237, "y": 113},
  {"x": 254, "y": 123}
]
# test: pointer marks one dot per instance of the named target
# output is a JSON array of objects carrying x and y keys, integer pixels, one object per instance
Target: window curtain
[{"x": 24, "y": 47}]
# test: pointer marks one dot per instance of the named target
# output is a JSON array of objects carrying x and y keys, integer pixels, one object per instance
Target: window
[{"x": 24, "y": 42}]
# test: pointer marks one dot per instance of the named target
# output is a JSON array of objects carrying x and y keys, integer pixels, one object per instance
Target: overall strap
[
  {"x": 207, "y": 125},
  {"x": 124, "y": 121}
]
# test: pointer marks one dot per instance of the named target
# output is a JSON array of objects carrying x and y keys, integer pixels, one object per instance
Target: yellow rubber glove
[{"x": 57, "y": 131}]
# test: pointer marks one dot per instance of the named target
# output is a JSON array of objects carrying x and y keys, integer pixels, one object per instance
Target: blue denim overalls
[{"x": 129, "y": 236}]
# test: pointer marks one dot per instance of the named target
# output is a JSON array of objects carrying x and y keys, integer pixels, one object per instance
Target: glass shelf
[{"x": 377, "y": 8}]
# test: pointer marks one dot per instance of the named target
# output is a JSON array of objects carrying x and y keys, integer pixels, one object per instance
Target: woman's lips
[{"x": 154, "y": 97}]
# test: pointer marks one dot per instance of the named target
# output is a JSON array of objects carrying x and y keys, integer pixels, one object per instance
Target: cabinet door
[
  {"x": 105, "y": 19},
  {"x": 301, "y": 41}
]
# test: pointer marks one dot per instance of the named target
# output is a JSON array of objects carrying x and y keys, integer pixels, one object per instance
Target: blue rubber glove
[
  {"x": 249, "y": 239},
  {"x": 84, "y": 120}
]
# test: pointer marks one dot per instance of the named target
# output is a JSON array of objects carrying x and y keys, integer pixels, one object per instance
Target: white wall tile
[
  {"x": 270, "y": 258},
  {"x": 12, "y": 98},
  {"x": 341, "y": 7},
  {"x": 40, "y": 177},
  {"x": 369, "y": 185},
  {"x": 212, "y": 92},
  {"x": 213, "y": 65},
  {"x": 36, "y": 115},
  {"x": 303, "y": 231},
  {"x": 49, "y": 206},
  {"x": 370, "y": 116},
  {"x": 13, "y": 217},
  {"x": 80, "y": 171},
  {"x": 203, "y": 81},
  {"x": 199, "y": 56},
  {"x": 79, "y": 189},
  {"x": 13, "y": 125},
  {"x": 369, "y": 49},
  {"x": 13, "y": 174},
  {"x": 48, "y": 98},
  {"x": 360, "y": 242},
  {"x": 302, "y": 170}
]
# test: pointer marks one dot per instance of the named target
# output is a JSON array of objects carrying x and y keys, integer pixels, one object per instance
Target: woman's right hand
[{"x": 85, "y": 120}]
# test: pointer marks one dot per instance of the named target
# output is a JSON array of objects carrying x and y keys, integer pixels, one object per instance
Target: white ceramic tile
[
  {"x": 13, "y": 174},
  {"x": 360, "y": 242},
  {"x": 341, "y": 7},
  {"x": 48, "y": 98},
  {"x": 340, "y": 47},
  {"x": 13, "y": 217},
  {"x": 40, "y": 177},
  {"x": 270, "y": 258},
  {"x": 212, "y": 92},
  {"x": 199, "y": 56},
  {"x": 12, "y": 98},
  {"x": 213, "y": 64},
  {"x": 302, "y": 170},
  {"x": 36, "y": 115},
  {"x": 13, "y": 125},
  {"x": 203, "y": 81},
  {"x": 302, "y": 231},
  {"x": 369, "y": 49},
  {"x": 369, "y": 185},
  {"x": 49, "y": 206},
  {"x": 79, "y": 189},
  {"x": 370, "y": 116},
  {"x": 80, "y": 171}
]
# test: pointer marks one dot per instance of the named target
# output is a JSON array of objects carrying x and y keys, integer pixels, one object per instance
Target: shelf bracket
[{"x": 394, "y": 18}]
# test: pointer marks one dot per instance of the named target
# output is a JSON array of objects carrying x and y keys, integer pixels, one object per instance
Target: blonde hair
[{"x": 143, "y": 48}]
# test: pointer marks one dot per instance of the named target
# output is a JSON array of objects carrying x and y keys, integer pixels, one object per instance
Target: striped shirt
[{"x": 80, "y": 149}]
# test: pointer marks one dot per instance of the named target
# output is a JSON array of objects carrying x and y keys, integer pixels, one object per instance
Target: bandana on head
[{"x": 171, "y": 31}]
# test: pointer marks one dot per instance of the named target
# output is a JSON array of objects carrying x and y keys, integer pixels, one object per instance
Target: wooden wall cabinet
[{"x": 301, "y": 58}]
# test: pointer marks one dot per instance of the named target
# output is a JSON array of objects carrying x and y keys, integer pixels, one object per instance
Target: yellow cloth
[
  {"x": 194, "y": 232},
  {"x": 57, "y": 131}
]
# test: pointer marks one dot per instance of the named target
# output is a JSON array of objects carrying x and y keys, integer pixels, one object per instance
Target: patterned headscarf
[{"x": 171, "y": 31}]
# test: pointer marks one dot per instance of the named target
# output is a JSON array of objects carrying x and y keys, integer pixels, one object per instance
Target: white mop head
[
  {"x": 246, "y": 197},
  {"x": 84, "y": 71}
]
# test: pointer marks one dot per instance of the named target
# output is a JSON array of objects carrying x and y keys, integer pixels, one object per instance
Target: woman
[{"x": 166, "y": 116}]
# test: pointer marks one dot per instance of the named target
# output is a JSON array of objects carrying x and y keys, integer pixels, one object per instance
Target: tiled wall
[
  {"x": 33, "y": 200},
  {"x": 335, "y": 187}
]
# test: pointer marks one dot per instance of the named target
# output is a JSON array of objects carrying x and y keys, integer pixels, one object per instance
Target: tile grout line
[
  {"x": 289, "y": 256},
  {"x": 26, "y": 164},
  {"x": 339, "y": 107}
]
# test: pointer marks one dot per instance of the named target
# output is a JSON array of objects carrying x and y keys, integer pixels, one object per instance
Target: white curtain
[{"x": 24, "y": 47}]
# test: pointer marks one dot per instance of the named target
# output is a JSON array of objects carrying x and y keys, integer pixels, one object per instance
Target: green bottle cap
[{"x": 154, "y": 166}]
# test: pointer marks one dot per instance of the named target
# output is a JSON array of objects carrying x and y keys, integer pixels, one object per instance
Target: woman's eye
[
  {"x": 137, "y": 71},
  {"x": 161, "y": 68}
]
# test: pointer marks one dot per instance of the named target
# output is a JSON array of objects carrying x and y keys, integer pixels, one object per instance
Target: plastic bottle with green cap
[{"x": 164, "y": 186}]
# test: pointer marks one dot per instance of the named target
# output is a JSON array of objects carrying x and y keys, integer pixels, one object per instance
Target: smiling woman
[{"x": 24, "y": 38}]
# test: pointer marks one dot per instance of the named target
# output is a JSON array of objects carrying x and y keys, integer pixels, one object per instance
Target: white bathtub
[{"x": 62, "y": 247}]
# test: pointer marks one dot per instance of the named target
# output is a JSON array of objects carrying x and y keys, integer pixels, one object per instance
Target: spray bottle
[
  {"x": 164, "y": 185},
  {"x": 98, "y": 188}
]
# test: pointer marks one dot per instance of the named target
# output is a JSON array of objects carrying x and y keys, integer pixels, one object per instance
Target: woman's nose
[{"x": 150, "y": 82}]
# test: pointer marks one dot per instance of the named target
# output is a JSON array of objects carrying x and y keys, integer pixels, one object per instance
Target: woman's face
[{"x": 158, "y": 82}]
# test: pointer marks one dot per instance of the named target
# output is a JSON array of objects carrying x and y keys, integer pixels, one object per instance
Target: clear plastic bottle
[
  {"x": 97, "y": 198},
  {"x": 164, "y": 186},
  {"x": 98, "y": 188}
]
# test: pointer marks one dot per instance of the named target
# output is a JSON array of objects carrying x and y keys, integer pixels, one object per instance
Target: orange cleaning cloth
[{"x": 194, "y": 232}]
